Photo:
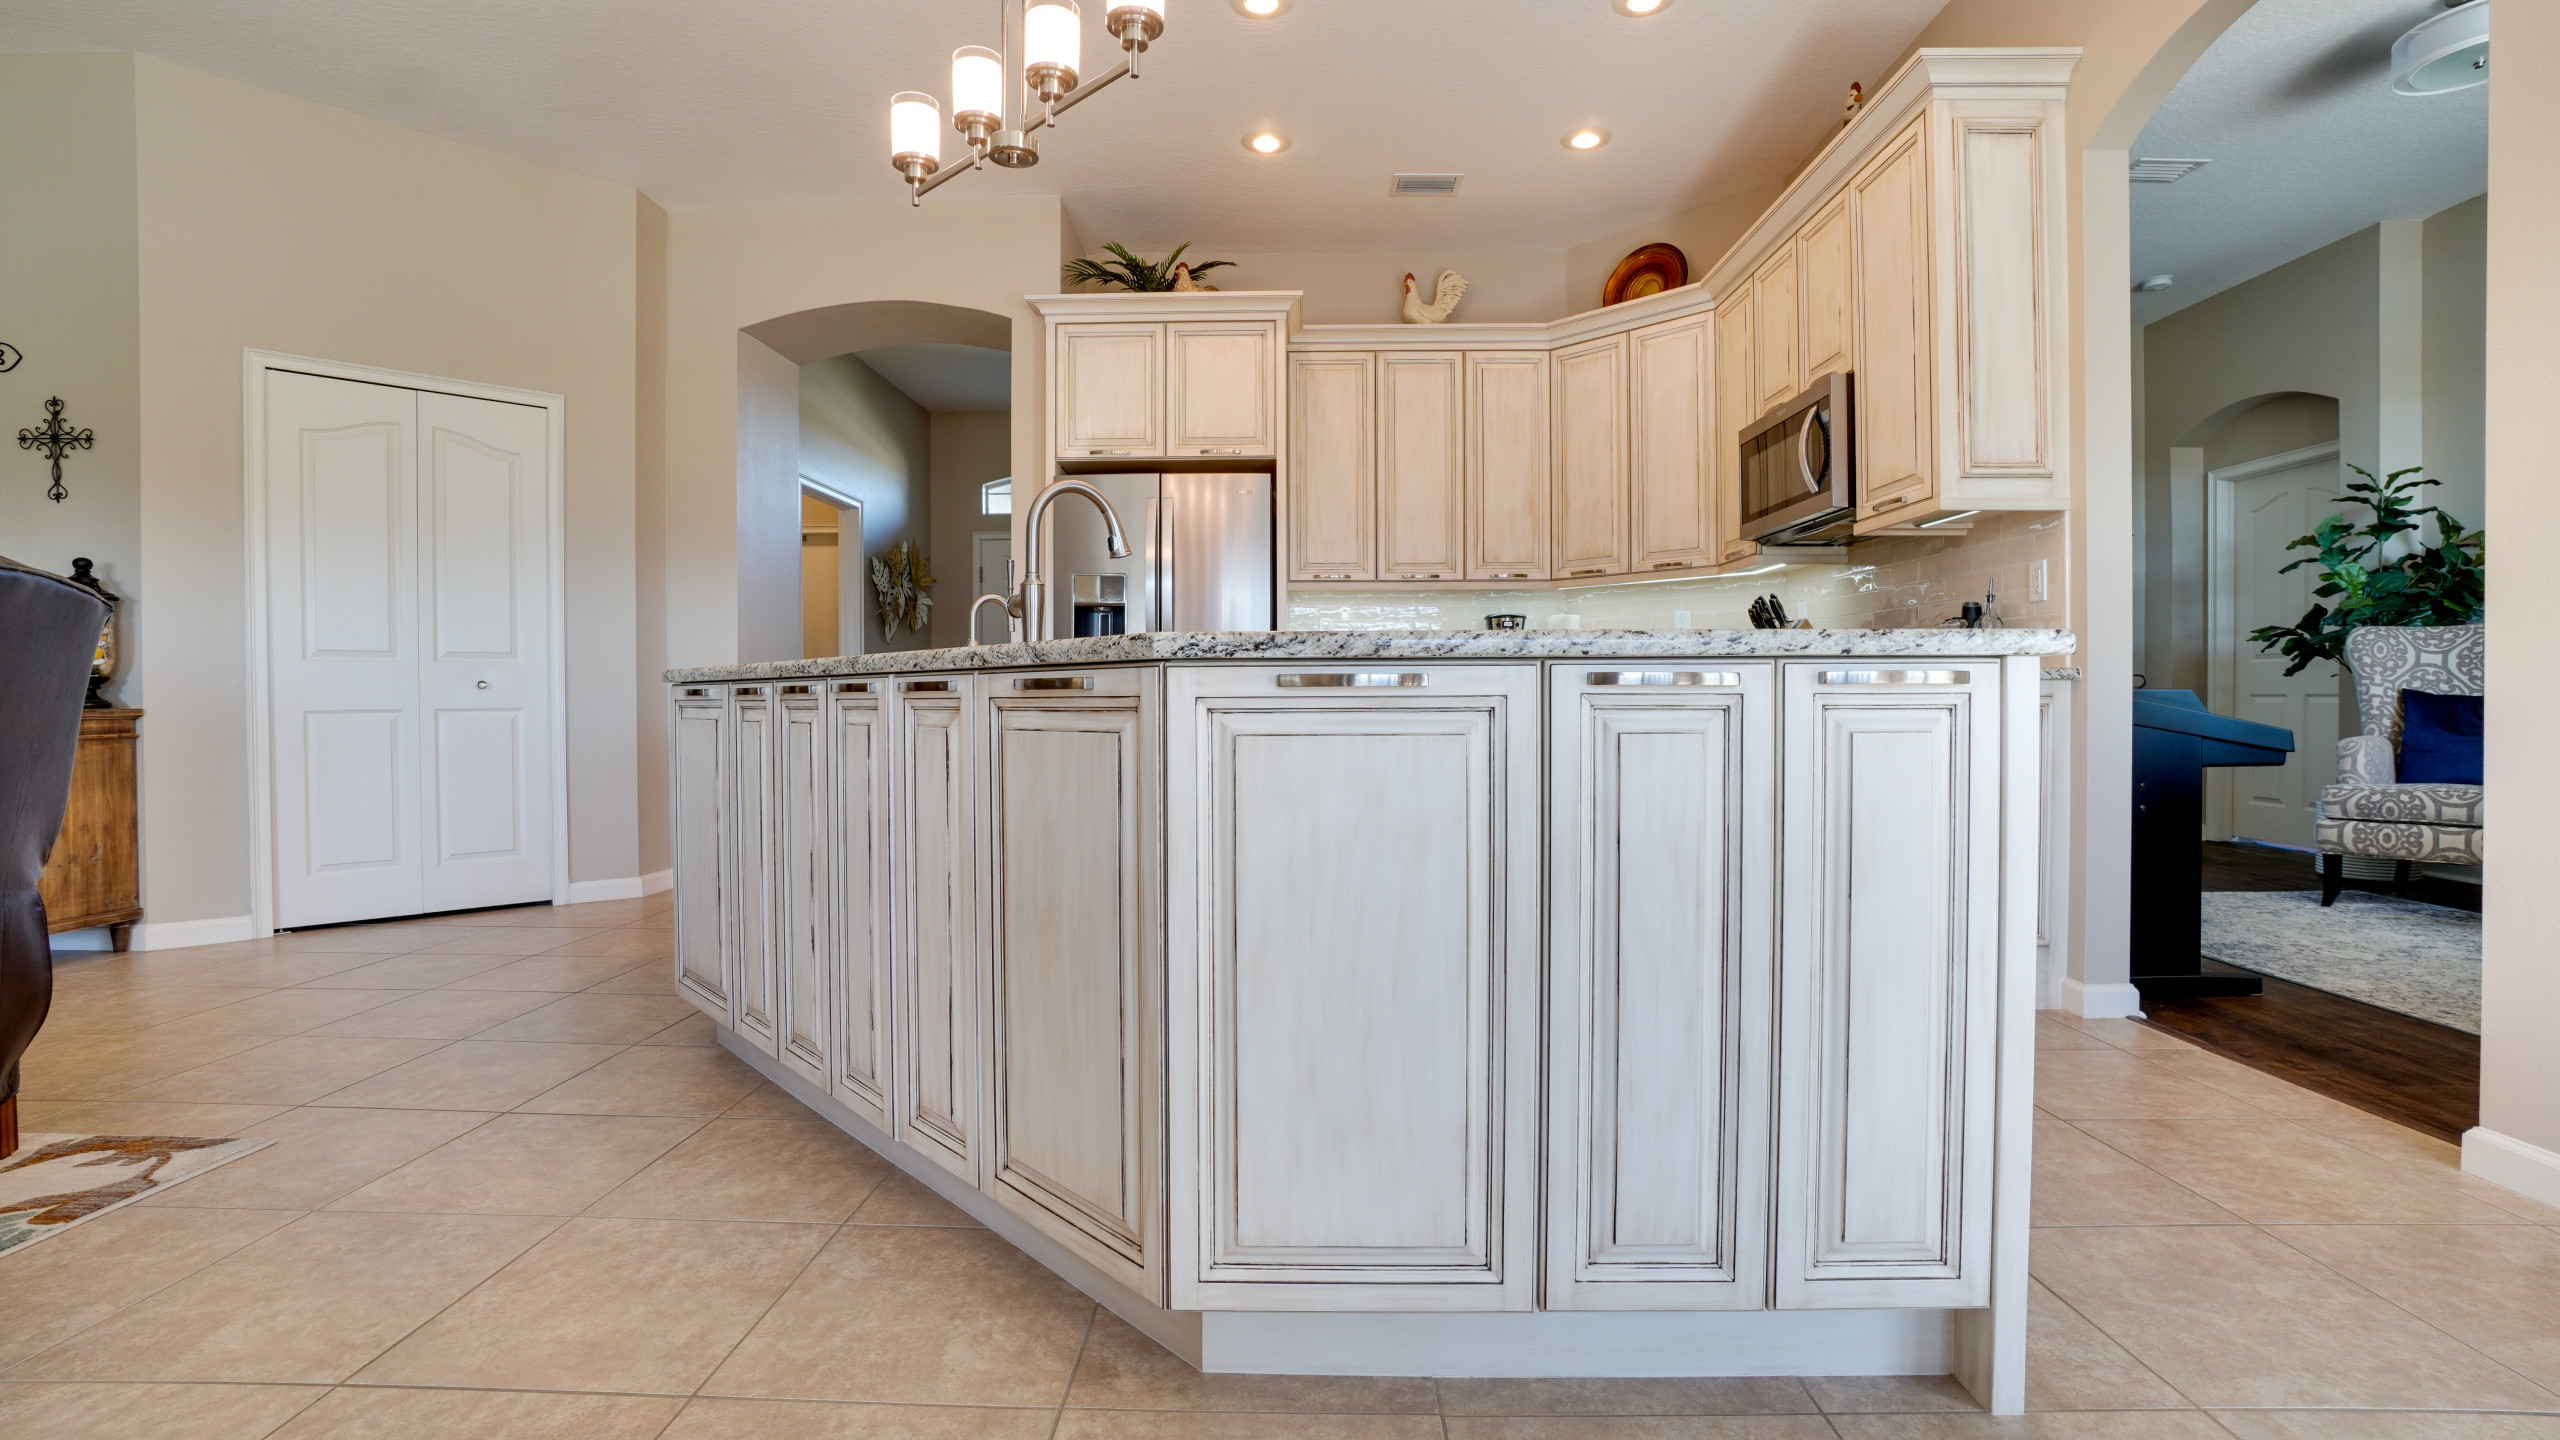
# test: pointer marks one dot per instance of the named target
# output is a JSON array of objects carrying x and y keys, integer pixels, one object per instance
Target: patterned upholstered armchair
[{"x": 2368, "y": 812}]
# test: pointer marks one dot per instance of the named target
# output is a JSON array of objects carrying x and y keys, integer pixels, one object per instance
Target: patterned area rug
[
  {"x": 2420, "y": 960},
  {"x": 55, "y": 1182}
]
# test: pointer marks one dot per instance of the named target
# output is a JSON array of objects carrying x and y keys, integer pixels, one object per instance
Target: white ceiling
[
  {"x": 777, "y": 102},
  {"x": 2293, "y": 105},
  {"x": 946, "y": 378}
]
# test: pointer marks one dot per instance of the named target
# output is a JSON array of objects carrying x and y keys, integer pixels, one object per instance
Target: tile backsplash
[{"x": 1904, "y": 581}]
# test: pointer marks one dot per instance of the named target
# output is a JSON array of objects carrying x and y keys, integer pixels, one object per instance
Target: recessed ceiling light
[
  {"x": 1586, "y": 139},
  {"x": 1259, "y": 9},
  {"x": 1266, "y": 142},
  {"x": 1639, "y": 7}
]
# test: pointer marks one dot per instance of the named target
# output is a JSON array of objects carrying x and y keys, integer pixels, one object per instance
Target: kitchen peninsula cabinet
[{"x": 1539, "y": 981}]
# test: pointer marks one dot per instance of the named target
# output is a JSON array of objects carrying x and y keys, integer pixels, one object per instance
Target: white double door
[{"x": 409, "y": 649}]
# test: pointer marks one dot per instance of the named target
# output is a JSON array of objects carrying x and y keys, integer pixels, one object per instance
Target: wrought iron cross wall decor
[{"x": 55, "y": 439}]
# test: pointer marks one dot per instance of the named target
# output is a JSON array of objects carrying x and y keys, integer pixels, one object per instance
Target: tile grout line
[
  {"x": 1066, "y": 1392},
  {"x": 2147, "y": 1367}
]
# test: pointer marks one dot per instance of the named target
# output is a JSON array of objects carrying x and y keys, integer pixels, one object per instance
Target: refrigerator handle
[{"x": 1159, "y": 564}]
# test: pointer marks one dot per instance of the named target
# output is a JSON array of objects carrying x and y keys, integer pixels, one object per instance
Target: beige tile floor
[{"x": 517, "y": 1192}]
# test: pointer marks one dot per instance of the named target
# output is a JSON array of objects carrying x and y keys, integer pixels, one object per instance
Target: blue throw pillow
[{"x": 2439, "y": 738}]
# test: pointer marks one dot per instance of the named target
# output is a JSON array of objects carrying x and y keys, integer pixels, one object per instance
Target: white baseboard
[
  {"x": 657, "y": 882},
  {"x": 2526, "y": 1168},
  {"x": 163, "y": 934},
  {"x": 2100, "y": 1002},
  {"x": 627, "y": 887}
]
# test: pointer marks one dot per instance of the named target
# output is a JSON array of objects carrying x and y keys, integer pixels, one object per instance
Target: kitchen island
[{"x": 1506, "y": 1003}]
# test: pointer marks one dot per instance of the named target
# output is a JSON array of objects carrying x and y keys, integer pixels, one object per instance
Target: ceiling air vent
[
  {"x": 1427, "y": 184},
  {"x": 2151, "y": 171}
]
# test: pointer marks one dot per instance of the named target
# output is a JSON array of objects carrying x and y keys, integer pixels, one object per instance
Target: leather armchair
[
  {"x": 2368, "y": 812},
  {"x": 48, "y": 635}
]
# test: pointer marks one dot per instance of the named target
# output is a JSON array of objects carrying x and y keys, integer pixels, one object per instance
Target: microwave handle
[{"x": 1804, "y": 456}]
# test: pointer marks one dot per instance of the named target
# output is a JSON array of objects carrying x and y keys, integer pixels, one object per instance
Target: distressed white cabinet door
[
  {"x": 1889, "y": 219},
  {"x": 804, "y": 835},
  {"x": 1352, "y": 983},
  {"x": 700, "y": 818},
  {"x": 1822, "y": 278},
  {"x": 1221, "y": 399},
  {"x": 1733, "y": 411},
  {"x": 1508, "y": 465},
  {"x": 1110, "y": 390},
  {"x": 1421, "y": 488},
  {"x": 1889, "y": 967},
  {"x": 1780, "y": 334},
  {"x": 1591, "y": 460},
  {"x": 1074, "y": 1129},
  {"x": 860, "y": 941},
  {"x": 1672, "y": 399},
  {"x": 939, "y": 985},
  {"x": 751, "y": 896},
  {"x": 1333, "y": 467},
  {"x": 1661, "y": 791}
]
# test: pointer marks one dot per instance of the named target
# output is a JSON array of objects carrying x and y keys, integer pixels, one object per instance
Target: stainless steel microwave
[{"x": 1798, "y": 485}]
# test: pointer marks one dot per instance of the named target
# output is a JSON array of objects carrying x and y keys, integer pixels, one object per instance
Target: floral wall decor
[{"x": 899, "y": 581}]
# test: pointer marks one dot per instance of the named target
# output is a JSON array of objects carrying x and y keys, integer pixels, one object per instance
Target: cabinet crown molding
[{"x": 1184, "y": 305}]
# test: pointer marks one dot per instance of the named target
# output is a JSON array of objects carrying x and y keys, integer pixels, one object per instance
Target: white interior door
[
  {"x": 2275, "y": 804},
  {"x": 408, "y": 602}
]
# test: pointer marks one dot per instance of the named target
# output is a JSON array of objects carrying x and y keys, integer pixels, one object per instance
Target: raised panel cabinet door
[
  {"x": 860, "y": 940},
  {"x": 1661, "y": 795},
  {"x": 2003, "y": 279},
  {"x": 699, "y": 755},
  {"x": 1591, "y": 460},
  {"x": 1421, "y": 459},
  {"x": 1671, "y": 400},
  {"x": 1508, "y": 485},
  {"x": 1822, "y": 280},
  {"x": 939, "y": 985},
  {"x": 1889, "y": 213},
  {"x": 804, "y": 825},
  {"x": 1110, "y": 390},
  {"x": 1074, "y": 966},
  {"x": 1222, "y": 401},
  {"x": 752, "y": 894},
  {"x": 1352, "y": 988},
  {"x": 1780, "y": 336},
  {"x": 1735, "y": 408},
  {"x": 1333, "y": 467},
  {"x": 1889, "y": 967}
]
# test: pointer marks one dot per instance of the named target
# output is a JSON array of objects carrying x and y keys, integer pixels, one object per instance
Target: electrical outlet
[
  {"x": 1679, "y": 619},
  {"x": 2036, "y": 581}
]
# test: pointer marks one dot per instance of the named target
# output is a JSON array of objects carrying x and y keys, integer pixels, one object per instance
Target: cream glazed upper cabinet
[
  {"x": 1421, "y": 457},
  {"x": 1110, "y": 391},
  {"x": 1191, "y": 375},
  {"x": 1823, "y": 293},
  {"x": 1507, "y": 462},
  {"x": 1732, "y": 411},
  {"x": 1591, "y": 459},
  {"x": 1332, "y": 477},
  {"x": 1671, "y": 409},
  {"x": 1224, "y": 395}
]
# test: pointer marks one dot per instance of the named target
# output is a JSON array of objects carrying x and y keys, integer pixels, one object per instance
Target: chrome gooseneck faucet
[{"x": 1031, "y": 600}]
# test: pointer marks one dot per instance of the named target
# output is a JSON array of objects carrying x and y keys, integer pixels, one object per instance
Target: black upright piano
[{"x": 2174, "y": 739}]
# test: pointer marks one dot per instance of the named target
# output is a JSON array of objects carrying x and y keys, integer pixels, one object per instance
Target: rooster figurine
[{"x": 1452, "y": 289}]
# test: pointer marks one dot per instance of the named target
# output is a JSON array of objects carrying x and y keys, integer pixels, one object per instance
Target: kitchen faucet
[{"x": 1030, "y": 603}]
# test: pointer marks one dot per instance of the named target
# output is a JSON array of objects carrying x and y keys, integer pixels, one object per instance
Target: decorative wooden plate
[{"x": 1651, "y": 270}]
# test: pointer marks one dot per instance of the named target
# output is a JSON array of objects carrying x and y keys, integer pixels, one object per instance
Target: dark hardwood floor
[{"x": 2424, "y": 1076}]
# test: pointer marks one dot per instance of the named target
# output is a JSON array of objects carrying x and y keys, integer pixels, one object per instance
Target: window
[{"x": 996, "y": 497}]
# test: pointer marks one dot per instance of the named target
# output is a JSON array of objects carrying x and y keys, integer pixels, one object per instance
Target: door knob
[{"x": 484, "y": 684}]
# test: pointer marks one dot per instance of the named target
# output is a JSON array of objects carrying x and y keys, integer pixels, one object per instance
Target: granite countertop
[{"x": 1337, "y": 645}]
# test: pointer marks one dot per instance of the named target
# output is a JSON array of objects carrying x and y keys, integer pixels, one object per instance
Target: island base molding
[{"x": 1534, "y": 1345}]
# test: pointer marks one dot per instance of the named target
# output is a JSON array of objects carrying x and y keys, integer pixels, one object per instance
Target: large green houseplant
[
  {"x": 1129, "y": 272},
  {"x": 2382, "y": 572}
]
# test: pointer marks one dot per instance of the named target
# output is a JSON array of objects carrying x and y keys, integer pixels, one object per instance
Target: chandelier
[{"x": 1049, "y": 36}]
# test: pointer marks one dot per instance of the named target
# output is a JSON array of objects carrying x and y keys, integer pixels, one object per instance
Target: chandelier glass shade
[{"x": 996, "y": 120}]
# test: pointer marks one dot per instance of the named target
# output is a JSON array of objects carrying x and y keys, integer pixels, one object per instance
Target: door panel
[
  {"x": 1507, "y": 465},
  {"x": 752, "y": 871},
  {"x": 479, "y": 761},
  {"x": 1889, "y": 210},
  {"x": 352, "y": 764},
  {"x": 1822, "y": 270},
  {"x": 1734, "y": 409},
  {"x": 938, "y": 979},
  {"x": 1333, "y": 467},
  {"x": 2276, "y": 803},
  {"x": 804, "y": 832},
  {"x": 1110, "y": 387},
  {"x": 1220, "y": 401},
  {"x": 700, "y": 820},
  {"x": 1591, "y": 460},
  {"x": 860, "y": 939},
  {"x": 1662, "y": 961},
  {"x": 1673, "y": 396},
  {"x": 1781, "y": 359},
  {"x": 1421, "y": 490}
]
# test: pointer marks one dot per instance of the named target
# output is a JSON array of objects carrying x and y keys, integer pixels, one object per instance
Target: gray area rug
[{"x": 2418, "y": 959}]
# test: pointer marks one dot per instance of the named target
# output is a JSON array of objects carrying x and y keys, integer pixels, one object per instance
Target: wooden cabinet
[
  {"x": 1822, "y": 280},
  {"x": 699, "y": 821},
  {"x": 1662, "y": 786},
  {"x": 941, "y": 993},
  {"x": 1352, "y": 918},
  {"x": 1777, "y": 357},
  {"x": 93, "y": 874},
  {"x": 1591, "y": 459},
  {"x": 1333, "y": 475},
  {"x": 804, "y": 925},
  {"x": 1889, "y": 970},
  {"x": 1109, "y": 398},
  {"x": 1075, "y": 964},
  {"x": 1733, "y": 411},
  {"x": 750, "y": 889},
  {"x": 1889, "y": 208},
  {"x": 1220, "y": 398},
  {"x": 1507, "y": 465},
  {"x": 1671, "y": 402},
  {"x": 860, "y": 939},
  {"x": 1421, "y": 460}
]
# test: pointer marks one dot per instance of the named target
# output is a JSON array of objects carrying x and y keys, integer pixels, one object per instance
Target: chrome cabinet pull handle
[
  {"x": 854, "y": 687},
  {"x": 1897, "y": 677},
  {"x": 1662, "y": 677},
  {"x": 799, "y": 690},
  {"x": 1673, "y": 564},
  {"x": 914, "y": 686},
  {"x": 1596, "y": 570},
  {"x": 747, "y": 690},
  {"x": 1889, "y": 503},
  {"x": 1349, "y": 681},
  {"x": 696, "y": 692},
  {"x": 1055, "y": 682}
]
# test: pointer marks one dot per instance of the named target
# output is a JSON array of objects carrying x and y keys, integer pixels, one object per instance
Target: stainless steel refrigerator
[{"x": 1201, "y": 556}]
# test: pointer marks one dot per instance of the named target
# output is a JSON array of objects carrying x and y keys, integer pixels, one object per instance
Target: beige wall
[
  {"x": 272, "y": 223},
  {"x": 1367, "y": 287},
  {"x": 967, "y": 450},
  {"x": 2454, "y": 352},
  {"x": 862, "y": 437},
  {"x": 649, "y": 529},
  {"x": 73, "y": 309},
  {"x": 1703, "y": 233}
]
